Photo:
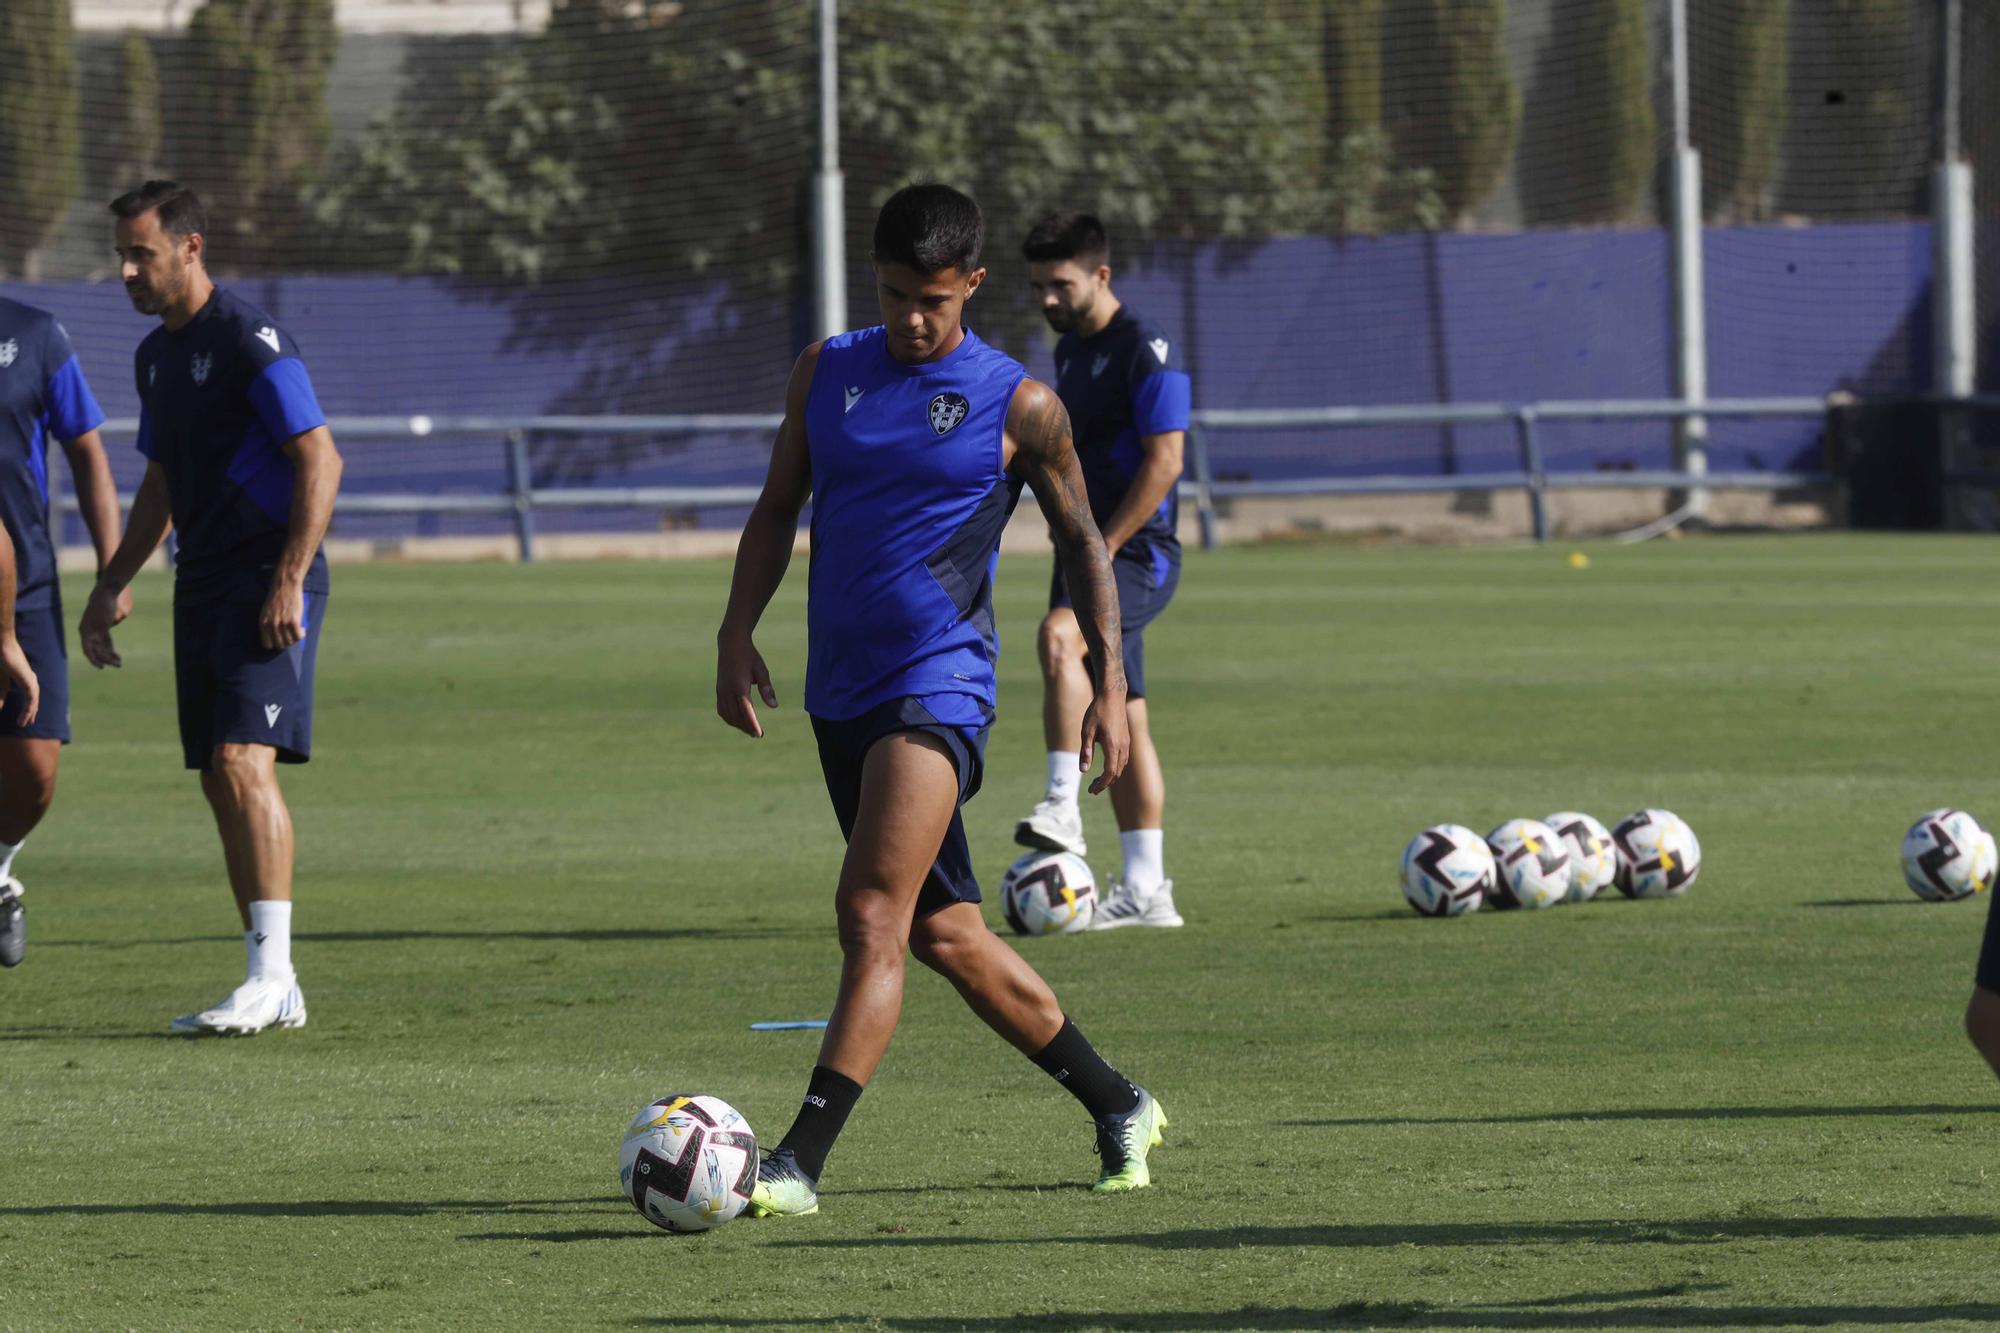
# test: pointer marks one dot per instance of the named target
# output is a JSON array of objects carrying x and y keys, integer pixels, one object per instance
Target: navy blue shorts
[
  {"x": 41, "y": 634},
  {"x": 1146, "y": 583},
  {"x": 1988, "y": 975},
  {"x": 231, "y": 688},
  {"x": 844, "y": 745}
]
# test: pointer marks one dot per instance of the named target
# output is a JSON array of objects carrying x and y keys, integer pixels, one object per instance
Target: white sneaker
[
  {"x": 1055, "y": 826},
  {"x": 1120, "y": 906},
  {"x": 259, "y": 1003}
]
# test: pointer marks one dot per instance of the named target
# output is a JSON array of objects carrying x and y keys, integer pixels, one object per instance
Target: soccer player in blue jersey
[
  {"x": 911, "y": 439},
  {"x": 1128, "y": 400},
  {"x": 43, "y": 396},
  {"x": 240, "y": 462}
]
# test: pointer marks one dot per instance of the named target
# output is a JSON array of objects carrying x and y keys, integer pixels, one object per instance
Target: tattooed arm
[{"x": 1039, "y": 451}]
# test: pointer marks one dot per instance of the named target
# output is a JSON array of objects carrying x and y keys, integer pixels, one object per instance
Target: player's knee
[
  {"x": 945, "y": 950},
  {"x": 870, "y": 927},
  {"x": 1060, "y": 644},
  {"x": 237, "y": 772}
]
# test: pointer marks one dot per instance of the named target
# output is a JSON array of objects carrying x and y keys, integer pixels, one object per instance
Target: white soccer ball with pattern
[
  {"x": 1658, "y": 854},
  {"x": 688, "y": 1163},
  {"x": 1948, "y": 856},
  {"x": 1593, "y": 861},
  {"x": 1048, "y": 893},
  {"x": 1447, "y": 870},
  {"x": 1532, "y": 865}
]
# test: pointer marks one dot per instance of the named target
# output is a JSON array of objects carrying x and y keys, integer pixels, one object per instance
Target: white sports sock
[
  {"x": 269, "y": 939},
  {"x": 1145, "y": 861},
  {"x": 1065, "y": 778},
  {"x": 8, "y": 851}
]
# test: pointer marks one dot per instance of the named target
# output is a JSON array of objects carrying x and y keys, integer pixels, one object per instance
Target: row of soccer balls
[{"x": 1448, "y": 870}]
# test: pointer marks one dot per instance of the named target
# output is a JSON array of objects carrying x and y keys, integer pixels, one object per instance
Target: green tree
[
  {"x": 40, "y": 159},
  {"x": 1458, "y": 111},
  {"x": 1741, "y": 61},
  {"x": 254, "y": 125},
  {"x": 1351, "y": 56},
  {"x": 1858, "y": 144},
  {"x": 128, "y": 123},
  {"x": 1591, "y": 118}
]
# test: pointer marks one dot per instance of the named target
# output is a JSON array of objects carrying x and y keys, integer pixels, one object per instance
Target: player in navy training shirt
[
  {"x": 911, "y": 440},
  {"x": 240, "y": 462},
  {"x": 43, "y": 396},
  {"x": 1128, "y": 398}
]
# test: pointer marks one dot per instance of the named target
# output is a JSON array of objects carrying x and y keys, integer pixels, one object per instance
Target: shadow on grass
[
  {"x": 1609, "y": 1231},
  {"x": 576, "y": 936},
  {"x": 329, "y": 1208},
  {"x": 1908, "y": 900},
  {"x": 1379, "y": 1314},
  {"x": 565, "y": 1237},
  {"x": 1653, "y": 1113}
]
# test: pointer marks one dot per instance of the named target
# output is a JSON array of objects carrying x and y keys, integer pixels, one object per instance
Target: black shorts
[
  {"x": 231, "y": 688},
  {"x": 1146, "y": 583},
  {"x": 843, "y": 748},
  {"x": 1988, "y": 975},
  {"x": 41, "y": 634}
]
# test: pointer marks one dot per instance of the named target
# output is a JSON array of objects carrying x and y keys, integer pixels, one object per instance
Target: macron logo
[
  {"x": 1159, "y": 346},
  {"x": 853, "y": 397},
  {"x": 270, "y": 335},
  {"x": 271, "y": 712}
]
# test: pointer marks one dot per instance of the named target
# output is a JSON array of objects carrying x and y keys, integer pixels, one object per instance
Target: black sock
[
  {"x": 1072, "y": 1061},
  {"x": 829, "y": 1097}
]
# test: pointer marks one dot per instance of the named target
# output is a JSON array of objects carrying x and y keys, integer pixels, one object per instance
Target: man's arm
[
  {"x": 12, "y": 659},
  {"x": 145, "y": 528},
  {"x": 316, "y": 481},
  {"x": 1043, "y": 454},
  {"x": 762, "y": 556},
  {"x": 97, "y": 497},
  {"x": 1159, "y": 472}
]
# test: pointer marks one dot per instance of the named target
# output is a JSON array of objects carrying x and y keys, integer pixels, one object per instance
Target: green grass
[{"x": 541, "y": 884}]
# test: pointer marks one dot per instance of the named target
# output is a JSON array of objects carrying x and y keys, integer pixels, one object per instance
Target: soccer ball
[
  {"x": 1048, "y": 893},
  {"x": 1593, "y": 861},
  {"x": 1947, "y": 856},
  {"x": 688, "y": 1163},
  {"x": 1658, "y": 855},
  {"x": 1532, "y": 864},
  {"x": 1447, "y": 870}
]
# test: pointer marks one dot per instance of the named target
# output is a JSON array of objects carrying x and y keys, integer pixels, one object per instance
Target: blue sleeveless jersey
[{"x": 909, "y": 498}]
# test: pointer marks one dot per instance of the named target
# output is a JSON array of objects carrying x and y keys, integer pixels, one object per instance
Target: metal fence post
[
  {"x": 1204, "y": 487},
  {"x": 1531, "y": 463},
  {"x": 520, "y": 485}
]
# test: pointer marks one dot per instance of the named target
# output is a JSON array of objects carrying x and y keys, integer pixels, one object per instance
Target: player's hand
[
  {"x": 739, "y": 668},
  {"x": 1104, "y": 724},
  {"x": 124, "y": 607},
  {"x": 21, "y": 676},
  {"x": 282, "y": 623},
  {"x": 100, "y": 613}
]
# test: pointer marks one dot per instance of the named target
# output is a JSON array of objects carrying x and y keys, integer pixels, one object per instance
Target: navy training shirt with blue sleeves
[
  {"x": 43, "y": 396},
  {"x": 219, "y": 398},
  {"x": 909, "y": 498},
  {"x": 1120, "y": 384}
]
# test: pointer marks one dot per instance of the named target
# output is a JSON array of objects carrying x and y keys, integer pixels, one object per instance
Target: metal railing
[{"x": 522, "y": 499}]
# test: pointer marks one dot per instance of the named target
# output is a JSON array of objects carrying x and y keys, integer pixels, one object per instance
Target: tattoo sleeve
[{"x": 1046, "y": 459}]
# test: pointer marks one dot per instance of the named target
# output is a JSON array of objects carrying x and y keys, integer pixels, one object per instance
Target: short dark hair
[
  {"x": 1068, "y": 234},
  {"x": 931, "y": 228},
  {"x": 180, "y": 210}
]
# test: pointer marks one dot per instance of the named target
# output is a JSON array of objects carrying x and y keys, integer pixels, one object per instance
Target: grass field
[{"x": 541, "y": 884}]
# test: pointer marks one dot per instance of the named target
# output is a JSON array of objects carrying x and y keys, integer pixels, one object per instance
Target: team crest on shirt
[
  {"x": 200, "y": 366},
  {"x": 1098, "y": 366},
  {"x": 8, "y": 351},
  {"x": 1062, "y": 369},
  {"x": 947, "y": 410}
]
